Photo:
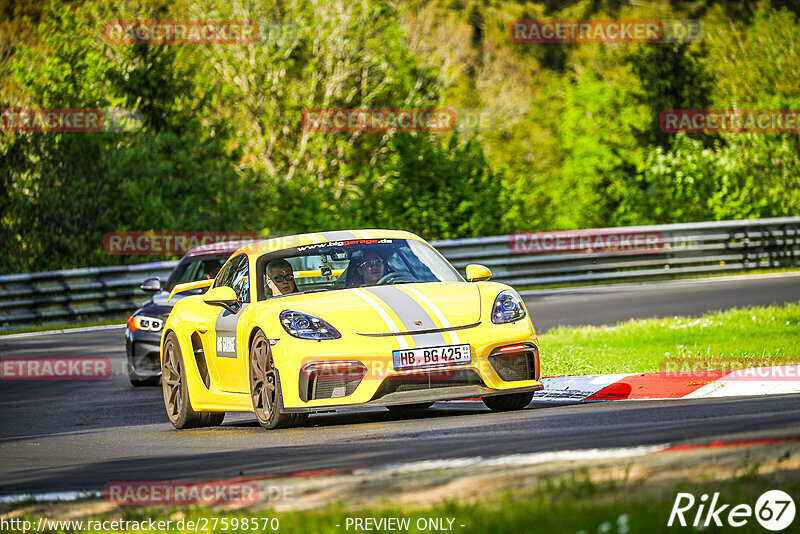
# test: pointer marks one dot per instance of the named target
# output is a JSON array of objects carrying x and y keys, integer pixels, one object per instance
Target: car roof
[
  {"x": 222, "y": 247},
  {"x": 299, "y": 240}
]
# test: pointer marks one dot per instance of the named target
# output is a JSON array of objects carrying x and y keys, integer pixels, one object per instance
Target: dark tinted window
[
  {"x": 193, "y": 269},
  {"x": 331, "y": 266},
  {"x": 235, "y": 275}
]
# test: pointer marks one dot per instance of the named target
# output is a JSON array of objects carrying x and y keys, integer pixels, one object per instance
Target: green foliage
[
  {"x": 68, "y": 189},
  {"x": 436, "y": 188},
  {"x": 743, "y": 176},
  {"x": 672, "y": 77},
  {"x": 598, "y": 131},
  {"x": 568, "y": 135}
]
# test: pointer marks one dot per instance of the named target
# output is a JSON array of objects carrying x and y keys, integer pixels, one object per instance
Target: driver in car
[
  {"x": 280, "y": 277},
  {"x": 371, "y": 268}
]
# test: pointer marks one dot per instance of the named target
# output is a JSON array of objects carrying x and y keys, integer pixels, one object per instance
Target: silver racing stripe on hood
[
  {"x": 409, "y": 311},
  {"x": 387, "y": 319}
]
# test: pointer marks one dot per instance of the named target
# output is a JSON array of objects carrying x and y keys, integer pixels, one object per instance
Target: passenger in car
[{"x": 280, "y": 277}]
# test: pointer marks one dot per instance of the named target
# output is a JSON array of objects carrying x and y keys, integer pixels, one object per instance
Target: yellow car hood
[{"x": 395, "y": 308}]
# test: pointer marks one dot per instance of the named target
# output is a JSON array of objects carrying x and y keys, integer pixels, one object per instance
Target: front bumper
[
  {"x": 431, "y": 395},
  {"x": 382, "y": 385},
  {"x": 143, "y": 350}
]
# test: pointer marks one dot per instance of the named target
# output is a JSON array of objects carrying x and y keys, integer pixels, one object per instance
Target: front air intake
[
  {"x": 447, "y": 378},
  {"x": 330, "y": 380},
  {"x": 519, "y": 364},
  {"x": 200, "y": 359}
]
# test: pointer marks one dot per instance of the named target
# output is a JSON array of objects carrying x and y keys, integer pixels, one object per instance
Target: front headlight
[
  {"x": 305, "y": 326},
  {"x": 507, "y": 307},
  {"x": 143, "y": 322}
]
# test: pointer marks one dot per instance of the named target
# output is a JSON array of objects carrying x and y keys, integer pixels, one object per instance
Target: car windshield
[
  {"x": 351, "y": 264},
  {"x": 195, "y": 268}
]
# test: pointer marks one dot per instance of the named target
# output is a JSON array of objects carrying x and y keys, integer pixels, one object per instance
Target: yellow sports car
[{"x": 320, "y": 321}]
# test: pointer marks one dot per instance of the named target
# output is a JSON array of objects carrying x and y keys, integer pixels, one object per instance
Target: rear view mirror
[
  {"x": 151, "y": 285},
  {"x": 222, "y": 296}
]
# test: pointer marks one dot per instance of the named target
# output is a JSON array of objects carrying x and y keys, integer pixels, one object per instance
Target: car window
[
  {"x": 236, "y": 276},
  {"x": 341, "y": 265},
  {"x": 241, "y": 280},
  {"x": 194, "y": 269}
]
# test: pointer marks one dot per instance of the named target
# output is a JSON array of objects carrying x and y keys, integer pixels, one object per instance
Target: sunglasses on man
[
  {"x": 372, "y": 263},
  {"x": 282, "y": 278}
]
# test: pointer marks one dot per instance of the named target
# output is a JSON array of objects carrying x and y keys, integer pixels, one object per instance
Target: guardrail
[
  {"x": 522, "y": 260},
  {"x": 75, "y": 295},
  {"x": 674, "y": 250}
]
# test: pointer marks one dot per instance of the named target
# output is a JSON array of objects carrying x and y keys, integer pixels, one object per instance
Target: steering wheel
[{"x": 396, "y": 276}]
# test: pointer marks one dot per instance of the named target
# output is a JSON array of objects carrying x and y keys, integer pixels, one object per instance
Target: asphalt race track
[{"x": 73, "y": 435}]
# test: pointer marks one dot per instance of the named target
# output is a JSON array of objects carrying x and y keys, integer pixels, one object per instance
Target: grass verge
[
  {"x": 731, "y": 339},
  {"x": 572, "y": 504}
]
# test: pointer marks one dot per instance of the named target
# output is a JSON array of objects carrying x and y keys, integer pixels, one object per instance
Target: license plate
[{"x": 431, "y": 356}]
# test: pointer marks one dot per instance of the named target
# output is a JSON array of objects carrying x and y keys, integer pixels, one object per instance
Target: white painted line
[
  {"x": 387, "y": 319},
  {"x": 49, "y": 497},
  {"x": 516, "y": 459},
  {"x": 561, "y": 388},
  {"x": 436, "y": 311},
  {"x": 62, "y": 331}
]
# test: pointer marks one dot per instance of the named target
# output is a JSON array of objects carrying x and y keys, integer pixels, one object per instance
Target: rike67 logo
[{"x": 774, "y": 510}]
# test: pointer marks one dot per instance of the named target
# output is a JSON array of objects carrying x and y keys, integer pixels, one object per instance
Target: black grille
[
  {"x": 513, "y": 366},
  {"x": 145, "y": 359},
  {"x": 331, "y": 388},
  {"x": 200, "y": 359},
  {"x": 434, "y": 380}
]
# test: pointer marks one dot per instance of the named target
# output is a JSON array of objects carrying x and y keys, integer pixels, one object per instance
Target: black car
[{"x": 143, "y": 331}]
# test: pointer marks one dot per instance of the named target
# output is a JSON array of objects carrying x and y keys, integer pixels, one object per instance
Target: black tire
[
  {"x": 138, "y": 382},
  {"x": 407, "y": 408},
  {"x": 265, "y": 388},
  {"x": 147, "y": 382},
  {"x": 176, "y": 394},
  {"x": 507, "y": 403}
]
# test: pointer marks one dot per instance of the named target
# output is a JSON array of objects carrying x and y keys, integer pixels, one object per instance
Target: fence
[{"x": 523, "y": 260}]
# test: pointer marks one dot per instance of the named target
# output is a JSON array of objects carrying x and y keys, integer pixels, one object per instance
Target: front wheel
[
  {"x": 176, "y": 390},
  {"x": 265, "y": 388},
  {"x": 507, "y": 403}
]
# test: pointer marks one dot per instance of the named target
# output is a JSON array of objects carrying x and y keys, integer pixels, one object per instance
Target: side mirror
[
  {"x": 477, "y": 273},
  {"x": 151, "y": 285},
  {"x": 222, "y": 296}
]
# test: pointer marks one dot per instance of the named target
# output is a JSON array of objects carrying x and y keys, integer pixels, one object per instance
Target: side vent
[{"x": 200, "y": 359}]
